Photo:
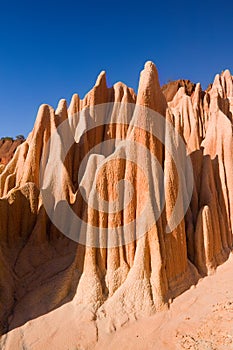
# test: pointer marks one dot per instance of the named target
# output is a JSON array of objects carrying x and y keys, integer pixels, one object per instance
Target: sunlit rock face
[{"x": 101, "y": 288}]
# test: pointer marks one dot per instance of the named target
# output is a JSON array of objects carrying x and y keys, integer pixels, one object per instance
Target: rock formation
[
  {"x": 42, "y": 270},
  {"x": 171, "y": 88},
  {"x": 8, "y": 147}
]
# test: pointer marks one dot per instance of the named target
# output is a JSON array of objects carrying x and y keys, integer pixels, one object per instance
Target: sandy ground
[{"x": 199, "y": 319}]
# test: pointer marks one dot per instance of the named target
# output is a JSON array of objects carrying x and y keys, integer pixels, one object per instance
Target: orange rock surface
[
  {"x": 101, "y": 289},
  {"x": 7, "y": 149}
]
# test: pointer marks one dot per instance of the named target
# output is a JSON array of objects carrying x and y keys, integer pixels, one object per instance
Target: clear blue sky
[{"x": 52, "y": 49}]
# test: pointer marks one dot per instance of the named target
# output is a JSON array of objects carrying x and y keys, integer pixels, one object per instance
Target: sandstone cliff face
[{"x": 41, "y": 269}]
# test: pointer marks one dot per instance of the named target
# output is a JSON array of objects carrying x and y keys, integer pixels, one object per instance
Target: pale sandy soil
[{"x": 199, "y": 319}]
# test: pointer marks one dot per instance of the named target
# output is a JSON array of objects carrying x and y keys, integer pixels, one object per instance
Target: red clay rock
[
  {"x": 170, "y": 89},
  {"x": 7, "y": 149},
  {"x": 42, "y": 269}
]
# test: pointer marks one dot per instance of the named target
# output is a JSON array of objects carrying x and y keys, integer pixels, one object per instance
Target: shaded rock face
[
  {"x": 7, "y": 149},
  {"x": 41, "y": 269}
]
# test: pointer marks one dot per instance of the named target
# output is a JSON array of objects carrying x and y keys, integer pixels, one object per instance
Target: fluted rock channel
[{"x": 42, "y": 269}]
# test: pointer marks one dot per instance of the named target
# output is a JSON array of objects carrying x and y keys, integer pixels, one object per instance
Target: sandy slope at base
[{"x": 199, "y": 319}]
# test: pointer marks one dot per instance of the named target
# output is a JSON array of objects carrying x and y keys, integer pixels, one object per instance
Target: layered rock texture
[{"x": 100, "y": 289}]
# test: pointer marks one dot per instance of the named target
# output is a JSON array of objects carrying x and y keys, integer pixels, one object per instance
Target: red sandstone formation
[
  {"x": 170, "y": 89},
  {"x": 8, "y": 147},
  {"x": 100, "y": 289}
]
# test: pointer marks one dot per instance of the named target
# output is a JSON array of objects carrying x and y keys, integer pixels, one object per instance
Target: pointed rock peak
[
  {"x": 61, "y": 106},
  {"x": 74, "y": 104},
  {"x": 181, "y": 91},
  {"x": 218, "y": 86},
  {"x": 149, "y": 65},
  {"x": 149, "y": 91},
  {"x": 178, "y": 96},
  {"x": 122, "y": 93},
  {"x": 101, "y": 80},
  {"x": 216, "y": 80},
  {"x": 43, "y": 116},
  {"x": 99, "y": 93},
  {"x": 197, "y": 93},
  {"x": 150, "y": 71},
  {"x": 227, "y": 73},
  {"x": 44, "y": 111},
  {"x": 119, "y": 91},
  {"x": 61, "y": 110},
  {"x": 75, "y": 98},
  {"x": 120, "y": 85}
]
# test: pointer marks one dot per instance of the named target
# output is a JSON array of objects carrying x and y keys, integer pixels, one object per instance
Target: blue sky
[{"x": 52, "y": 49}]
